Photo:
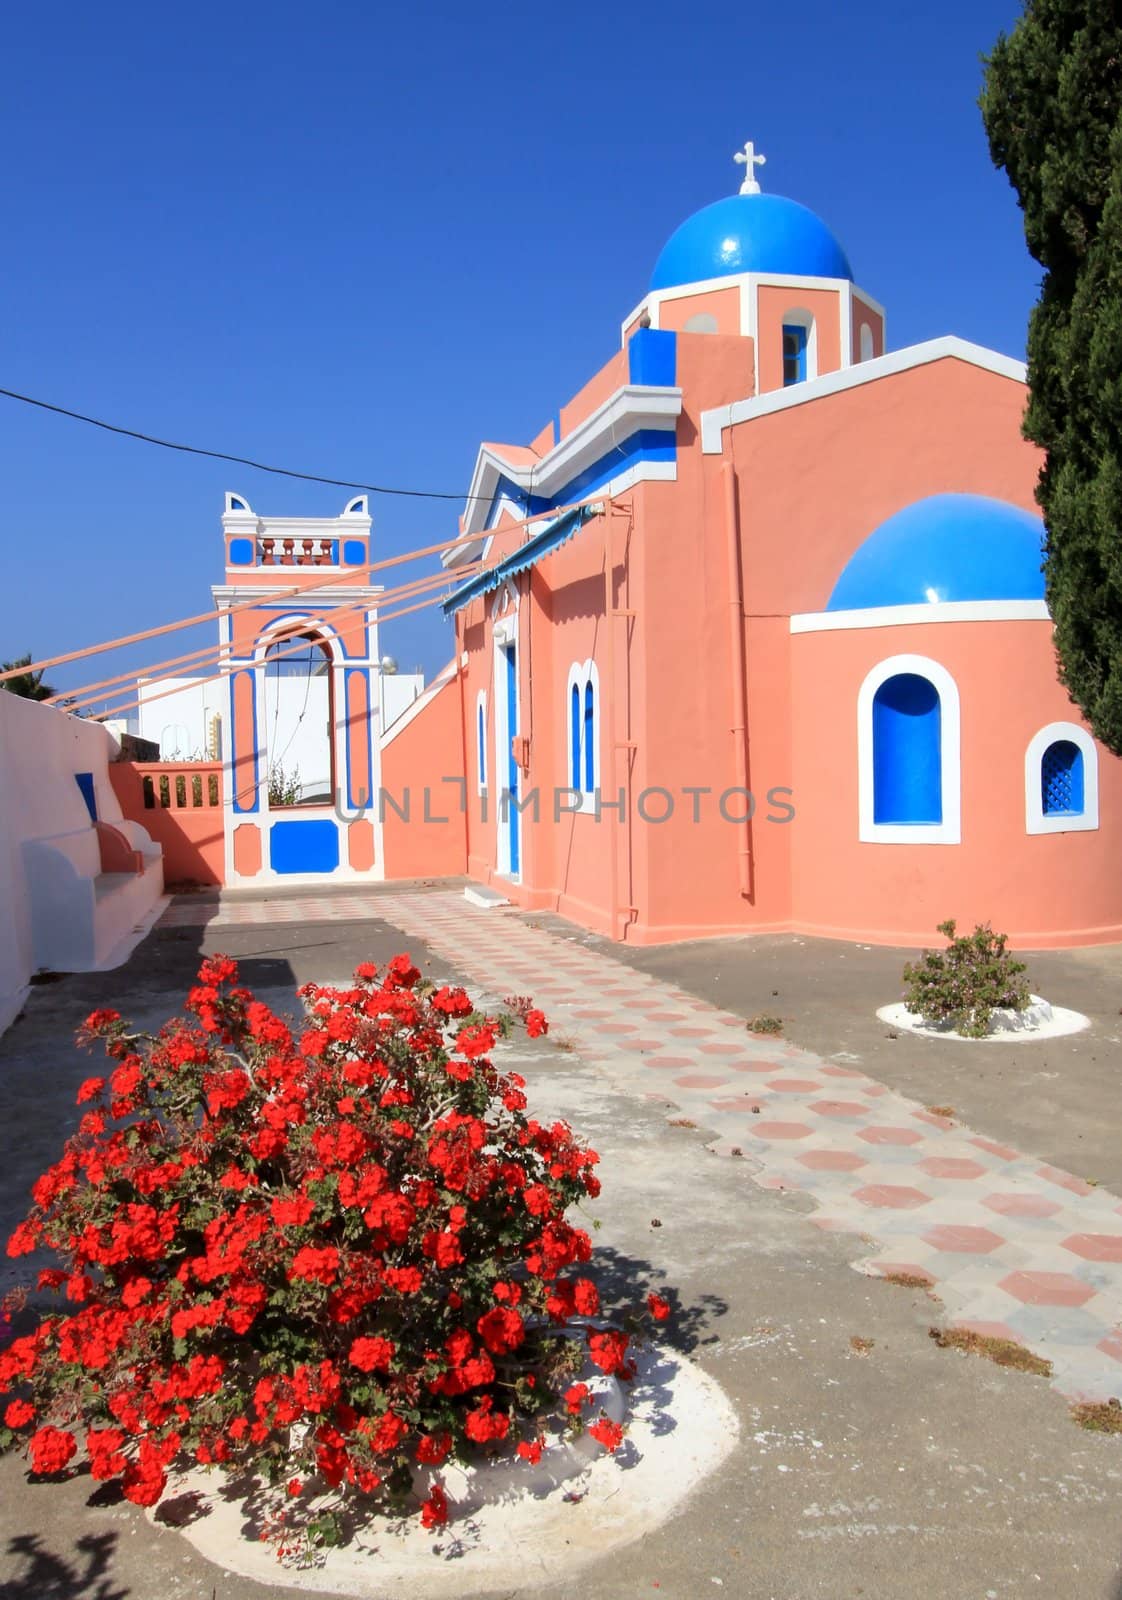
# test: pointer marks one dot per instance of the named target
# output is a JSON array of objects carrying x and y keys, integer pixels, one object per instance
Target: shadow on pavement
[
  {"x": 625, "y": 1281},
  {"x": 45, "y": 1576}
]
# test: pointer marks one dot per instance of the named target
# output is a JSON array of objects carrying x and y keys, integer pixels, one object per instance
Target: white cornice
[
  {"x": 629, "y": 410},
  {"x": 226, "y": 594},
  {"x": 713, "y": 423},
  {"x": 940, "y": 611}
]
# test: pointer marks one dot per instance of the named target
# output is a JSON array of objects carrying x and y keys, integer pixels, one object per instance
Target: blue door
[{"x": 512, "y": 817}]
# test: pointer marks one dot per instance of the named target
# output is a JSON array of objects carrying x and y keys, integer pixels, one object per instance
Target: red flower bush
[{"x": 335, "y": 1255}]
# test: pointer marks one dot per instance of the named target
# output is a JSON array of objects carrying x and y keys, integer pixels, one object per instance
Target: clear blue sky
[{"x": 357, "y": 239}]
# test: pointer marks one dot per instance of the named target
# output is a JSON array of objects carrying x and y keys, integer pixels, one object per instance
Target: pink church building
[
  {"x": 759, "y": 641},
  {"x": 763, "y": 626}
]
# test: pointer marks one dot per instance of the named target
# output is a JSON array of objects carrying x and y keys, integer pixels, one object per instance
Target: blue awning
[{"x": 549, "y": 538}]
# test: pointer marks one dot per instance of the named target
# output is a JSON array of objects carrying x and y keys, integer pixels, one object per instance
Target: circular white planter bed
[
  {"x": 1038, "y": 1020},
  {"x": 511, "y": 1525}
]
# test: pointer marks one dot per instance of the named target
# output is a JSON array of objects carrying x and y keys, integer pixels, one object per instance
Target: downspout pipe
[{"x": 744, "y": 862}]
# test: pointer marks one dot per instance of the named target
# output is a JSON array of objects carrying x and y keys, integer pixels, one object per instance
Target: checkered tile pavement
[{"x": 1012, "y": 1246}]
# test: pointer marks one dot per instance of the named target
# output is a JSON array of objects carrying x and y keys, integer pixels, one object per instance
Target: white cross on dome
[{"x": 749, "y": 160}]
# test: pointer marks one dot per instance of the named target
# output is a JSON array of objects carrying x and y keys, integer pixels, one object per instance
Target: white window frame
[
  {"x": 581, "y": 674},
  {"x": 1036, "y": 819},
  {"x": 481, "y": 741},
  {"x": 504, "y": 633},
  {"x": 949, "y": 831}
]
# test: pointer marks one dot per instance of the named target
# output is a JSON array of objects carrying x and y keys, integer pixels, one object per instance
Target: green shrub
[{"x": 967, "y": 982}]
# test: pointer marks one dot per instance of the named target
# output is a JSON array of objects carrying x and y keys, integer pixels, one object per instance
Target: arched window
[
  {"x": 299, "y": 721},
  {"x": 1061, "y": 780},
  {"x": 866, "y": 342},
  {"x": 701, "y": 322},
  {"x": 481, "y": 740},
  {"x": 907, "y": 751},
  {"x": 583, "y": 712},
  {"x": 908, "y": 754},
  {"x": 800, "y": 348},
  {"x": 588, "y": 739}
]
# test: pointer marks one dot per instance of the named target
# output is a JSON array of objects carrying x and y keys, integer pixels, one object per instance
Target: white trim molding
[
  {"x": 1036, "y": 819},
  {"x": 939, "y": 611},
  {"x": 949, "y": 830},
  {"x": 504, "y": 637},
  {"x": 714, "y": 422},
  {"x": 631, "y": 409},
  {"x": 481, "y": 742}
]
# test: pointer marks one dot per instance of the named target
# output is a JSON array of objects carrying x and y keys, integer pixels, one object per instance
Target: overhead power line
[{"x": 221, "y": 455}]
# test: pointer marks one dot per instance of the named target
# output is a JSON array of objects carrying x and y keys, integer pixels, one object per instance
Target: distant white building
[{"x": 186, "y": 716}]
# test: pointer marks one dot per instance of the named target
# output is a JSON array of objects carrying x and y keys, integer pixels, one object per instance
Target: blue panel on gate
[
  {"x": 85, "y": 782},
  {"x": 241, "y": 552},
  {"x": 311, "y": 846},
  {"x": 907, "y": 751}
]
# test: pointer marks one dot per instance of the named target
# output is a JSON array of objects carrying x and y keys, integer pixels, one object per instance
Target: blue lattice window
[{"x": 1061, "y": 780}]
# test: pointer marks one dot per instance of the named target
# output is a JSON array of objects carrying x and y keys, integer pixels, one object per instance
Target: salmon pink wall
[
  {"x": 612, "y": 376},
  {"x": 247, "y": 849},
  {"x": 247, "y": 626},
  {"x": 425, "y": 747},
  {"x": 1041, "y": 889},
  {"x": 816, "y": 479},
  {"x": 774, "y": 304},
  {"x": 865, "y": 317},
  {"x": 191, "y": 836},
  {"x": 723, "y": 304}
]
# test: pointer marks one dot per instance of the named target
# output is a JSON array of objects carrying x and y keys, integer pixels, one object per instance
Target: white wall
[
  {"x": 178, "y": 721},
  {"x": 398, "y": 694},
  {"x": 41, "y": 749}
]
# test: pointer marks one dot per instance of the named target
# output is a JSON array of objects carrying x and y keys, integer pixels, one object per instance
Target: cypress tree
[{"x": 1052, "y": 108}]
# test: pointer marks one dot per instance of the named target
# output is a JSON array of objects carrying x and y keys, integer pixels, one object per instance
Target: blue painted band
[{"x": 652, "y": 357}]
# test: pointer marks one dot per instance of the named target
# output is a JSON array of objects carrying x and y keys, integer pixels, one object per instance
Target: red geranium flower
[
  {"x": 50, "y": 1449},
  {"x": 609, "y": 1434},
  {"x": 434, "y": 1511}
]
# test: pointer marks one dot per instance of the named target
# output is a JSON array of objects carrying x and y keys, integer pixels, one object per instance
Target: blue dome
[
  {"x": 750, "y": 233},
  {"x": 947, "y": 547}
]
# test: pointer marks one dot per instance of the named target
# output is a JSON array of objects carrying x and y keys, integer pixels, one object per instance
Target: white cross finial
[{"x": 749, "y": 160}]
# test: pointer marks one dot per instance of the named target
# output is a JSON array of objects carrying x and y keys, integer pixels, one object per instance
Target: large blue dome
[
  {"x": 947, "y": 547},
  {"x": 750, "y": 233}
]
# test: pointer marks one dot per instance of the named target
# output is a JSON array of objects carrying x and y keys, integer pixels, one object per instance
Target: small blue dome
[
  {"x": 947, "y": 547},
  {"x": 750, "y": 233}
]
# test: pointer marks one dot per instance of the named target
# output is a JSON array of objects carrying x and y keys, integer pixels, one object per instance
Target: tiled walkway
[{"x": 1011, "y": 1246}]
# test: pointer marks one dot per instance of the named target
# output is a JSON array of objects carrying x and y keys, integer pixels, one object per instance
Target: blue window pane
[
  {"x": 574, "y": 740},
  {"x": 1061, "y": 779},
  {"x": 794, "y": 353},
  {"x": 589, "y": 752},
  {"x": 907, "y": 751}
]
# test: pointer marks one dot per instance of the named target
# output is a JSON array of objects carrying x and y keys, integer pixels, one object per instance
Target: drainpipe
[
  {"x": 739, "y": 683},
  {"x": 461, "y": 673},
  {"x": 610, "y": 744}
]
